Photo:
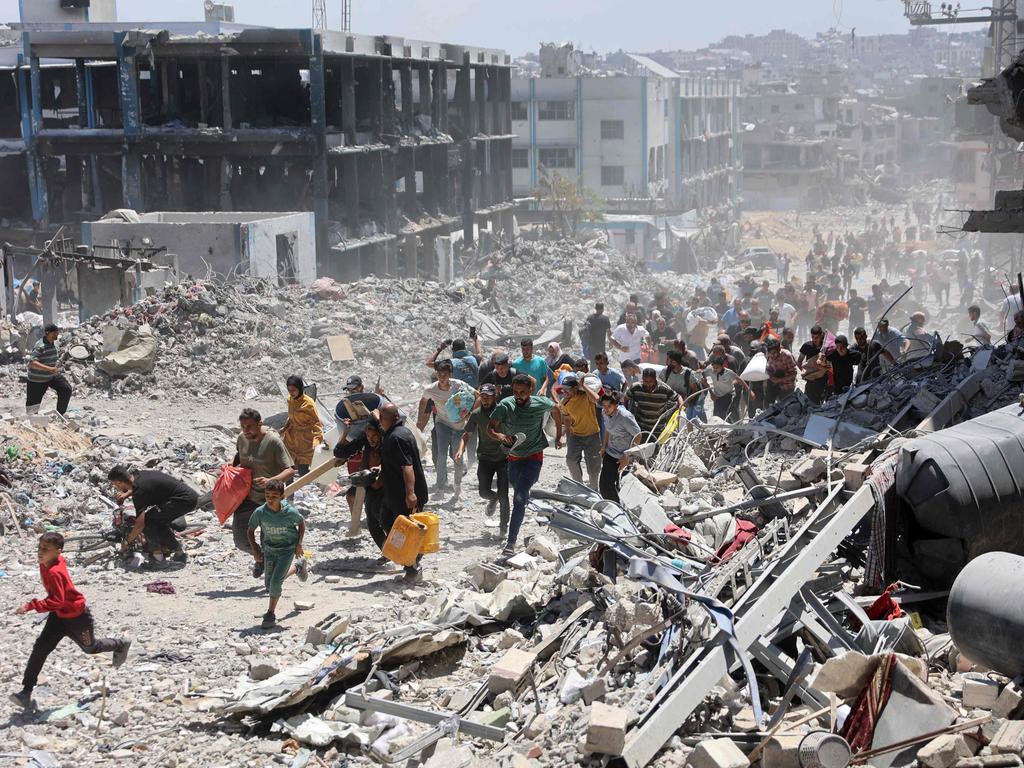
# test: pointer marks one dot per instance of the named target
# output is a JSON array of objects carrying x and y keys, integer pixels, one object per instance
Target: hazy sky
[{"x": 519, "y": 25}]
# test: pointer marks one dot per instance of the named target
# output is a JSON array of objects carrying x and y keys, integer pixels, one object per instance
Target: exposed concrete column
[
  {"x": 350, "y": 190},
  {"x": 318, "y": 123},
  {"x": 405, "y": 73},
  {"x": 48, "y": 277},
  {"x": 348, "y": 99},
  {"x": 31, "y": 124},
  {"x": 480, "y": 97},
  {"x": 377, "y": 98},
  {"x": 441, "y": 97},
  {"x": 169, "y": 86},
  {"x": 464, "y": 105},
  {"x": 389, "y": 198},
  {"x": 226, "y": 171},
  {"x": 426, "y": 95},
  {"x": 204, "y": 93},
  {"x": 225, "y": 94},
  {"x": 427, "y": 255}
]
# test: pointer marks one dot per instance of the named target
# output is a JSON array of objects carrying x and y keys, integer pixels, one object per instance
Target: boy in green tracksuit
[{"x": 282, "y": 529}]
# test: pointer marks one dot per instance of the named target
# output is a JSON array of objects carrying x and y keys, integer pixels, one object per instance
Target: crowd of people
[{"x": 741, "y": 346}]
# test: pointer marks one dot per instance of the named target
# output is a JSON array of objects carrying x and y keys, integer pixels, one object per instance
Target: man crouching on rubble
[{"x": 161, "y": 502}]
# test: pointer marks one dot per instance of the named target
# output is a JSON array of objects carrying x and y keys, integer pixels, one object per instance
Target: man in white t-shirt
[
  {"x": 628, "y": 339},
  {"x": 1011, "y": 306},
  {"x": 448, "y": 433}
]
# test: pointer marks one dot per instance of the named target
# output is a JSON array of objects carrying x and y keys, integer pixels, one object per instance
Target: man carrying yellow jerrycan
[{"x": 411, "y": 531}]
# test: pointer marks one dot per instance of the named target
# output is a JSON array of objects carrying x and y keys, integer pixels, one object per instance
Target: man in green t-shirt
[
  {"x": 523, "y": 414},
  {"x": 492, "y": 459}
]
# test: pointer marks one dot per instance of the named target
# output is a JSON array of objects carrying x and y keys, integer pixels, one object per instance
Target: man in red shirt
[{"x": 69, "y": 617}]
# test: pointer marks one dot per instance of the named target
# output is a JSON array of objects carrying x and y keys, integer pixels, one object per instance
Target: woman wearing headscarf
[{"x": 303, "y": 430}]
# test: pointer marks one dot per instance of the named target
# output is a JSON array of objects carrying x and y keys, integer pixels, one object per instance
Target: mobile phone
[{"x": 472, "y": 331}]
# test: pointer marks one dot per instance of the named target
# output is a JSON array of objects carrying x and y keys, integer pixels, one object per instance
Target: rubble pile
[{"x": 246, "y": 336}]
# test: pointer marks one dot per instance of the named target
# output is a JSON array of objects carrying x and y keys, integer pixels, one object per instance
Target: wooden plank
[{"x": 341, "y": 348}]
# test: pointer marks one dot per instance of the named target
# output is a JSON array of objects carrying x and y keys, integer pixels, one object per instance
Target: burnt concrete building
[{"x": 391, "y": 143}]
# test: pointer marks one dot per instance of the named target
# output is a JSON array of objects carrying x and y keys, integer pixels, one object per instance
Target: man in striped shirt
[
  {"x": 652, "y": 401},
  {"x": 43, "y": 373}
]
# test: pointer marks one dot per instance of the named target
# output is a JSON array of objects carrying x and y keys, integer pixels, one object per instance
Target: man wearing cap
[
  {"x": 621, "y": 433},
  {"x": 492, "y": 461},
  {"x": 465, "y": 366},
  {"x": 449, "y": 431},
  {"x": 584, "y": 429},
  {"x": 523, "y": 413},
  {"x": 535, "y": 367},
  {"x": 651, "y": 402},
  {"x": 501, "y": 377},
  {"x": 351, "y": 416},
  {"x": 44, "y": 374},
  {"x": 918, "y": 342}
]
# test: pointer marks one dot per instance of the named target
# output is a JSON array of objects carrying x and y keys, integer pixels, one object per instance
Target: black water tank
[{"x": 985, "y": 614}]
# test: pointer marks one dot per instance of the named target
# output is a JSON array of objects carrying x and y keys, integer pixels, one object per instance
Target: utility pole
[
  {"x": 319, "y": 14},
  {"x": 346, "y": 15}
]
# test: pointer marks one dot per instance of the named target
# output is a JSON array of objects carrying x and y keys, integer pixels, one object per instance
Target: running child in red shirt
[{"x": 68, "y": 618}]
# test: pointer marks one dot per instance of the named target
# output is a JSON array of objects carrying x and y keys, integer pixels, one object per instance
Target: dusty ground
[{"x": 213, "y": 617}]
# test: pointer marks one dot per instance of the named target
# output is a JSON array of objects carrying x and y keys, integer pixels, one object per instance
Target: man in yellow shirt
[{"x": 580, "y": 405}]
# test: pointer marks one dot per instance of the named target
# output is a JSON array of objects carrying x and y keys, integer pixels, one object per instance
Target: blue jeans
[
  {"x": 447, "y": 444},
  {"x": 696, "y": 411},
  {"x": 522, "y": 475}
]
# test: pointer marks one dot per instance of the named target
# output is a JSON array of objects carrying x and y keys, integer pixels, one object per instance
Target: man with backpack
[{"x": 686, "y": 383}]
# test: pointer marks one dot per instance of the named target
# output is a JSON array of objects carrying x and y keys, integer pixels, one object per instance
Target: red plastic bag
[{"x": 230, "y": 490}]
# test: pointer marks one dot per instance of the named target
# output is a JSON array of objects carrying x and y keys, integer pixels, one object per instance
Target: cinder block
[
  {"x": 1009, "y": 740},
  {"x": 510, "y": 671},
  {"x": 717, "y": 753},
  {"x": 1009, "y": 702},
  {"x": 980, "y": 693},
  {"x": 944, "y": 751},
  {"x": 607, "y": 732},
  {"x": 327, "y": 629},
  {"x": 854, "y": 475}
]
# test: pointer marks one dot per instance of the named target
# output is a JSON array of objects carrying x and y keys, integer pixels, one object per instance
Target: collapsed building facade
[{"x": 391, "y": 143}]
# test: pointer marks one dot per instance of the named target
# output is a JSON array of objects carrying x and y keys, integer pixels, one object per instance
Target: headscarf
[
  {"x": 296, "y": 381},
  {"x": 554, "y": 353}
]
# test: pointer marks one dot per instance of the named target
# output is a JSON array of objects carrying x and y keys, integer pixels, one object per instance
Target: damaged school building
[{"x": 397, "y": 147}]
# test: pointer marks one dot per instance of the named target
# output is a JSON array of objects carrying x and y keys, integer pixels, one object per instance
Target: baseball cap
[
  {"x": 488, "y": 389},
  {"x": 353, "y": 383}
]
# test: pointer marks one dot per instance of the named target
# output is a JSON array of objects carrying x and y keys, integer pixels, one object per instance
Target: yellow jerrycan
[
  {"x": 432, "y": 541},
  {"x": 404, "y": 541}
]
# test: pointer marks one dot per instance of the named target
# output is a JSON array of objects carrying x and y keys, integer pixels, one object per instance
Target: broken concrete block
[
  {"x": 809, "y": 470},
  {"x": 595, "y": 689},
  {"x": 304, "y": 605},
  {"x": 510, "y": 638},
  {"x": 542, "y": 547},
  {"x": 1009, "y": 702},
  {"x": 789, "y": 482},
  {"x": 327, "y": 629},
  {"x": 782, "y": 751},
  {"x": 606, "y": 734},
  {"x": 1009, "y": 740},
  {"x": 262, "y": 670},
  {"x": 498, "y": 717},
  {"x": 510, "y": 671},
  {"x": 980, "y": 693},
  {"x": 537, "y": 726},
  {"x": 944, "y": 751},
  {"x": 717, "y": 753},
  {"x": 854, "y": 475},
  {"x": 486, "y": 576}
]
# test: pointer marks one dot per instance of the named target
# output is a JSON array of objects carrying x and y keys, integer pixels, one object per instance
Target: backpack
[{"x": 465, "y": 369}]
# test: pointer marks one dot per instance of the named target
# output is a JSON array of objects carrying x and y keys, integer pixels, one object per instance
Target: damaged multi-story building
[
  {"x": 391, "y": 143},
  {"x": 644, "y": 140}
]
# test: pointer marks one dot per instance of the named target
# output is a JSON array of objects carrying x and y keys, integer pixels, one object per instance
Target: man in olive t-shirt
[
  {"x": 523, "y": 413},
  {"x": 264, "y": 453}
]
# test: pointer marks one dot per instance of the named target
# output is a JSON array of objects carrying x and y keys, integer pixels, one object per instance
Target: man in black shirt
[
  {"x": 809, "y": 362},
  {"x": 159, "y": 500},
  {"x": 501, "y": 377},
  {"x": 351, "y": 416},
  {"x": 401, "y": 472},
  {"x": 871, "y": 355},
  {"x": 843, "y": 359},
  {"x": 595, "y": 331}
]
